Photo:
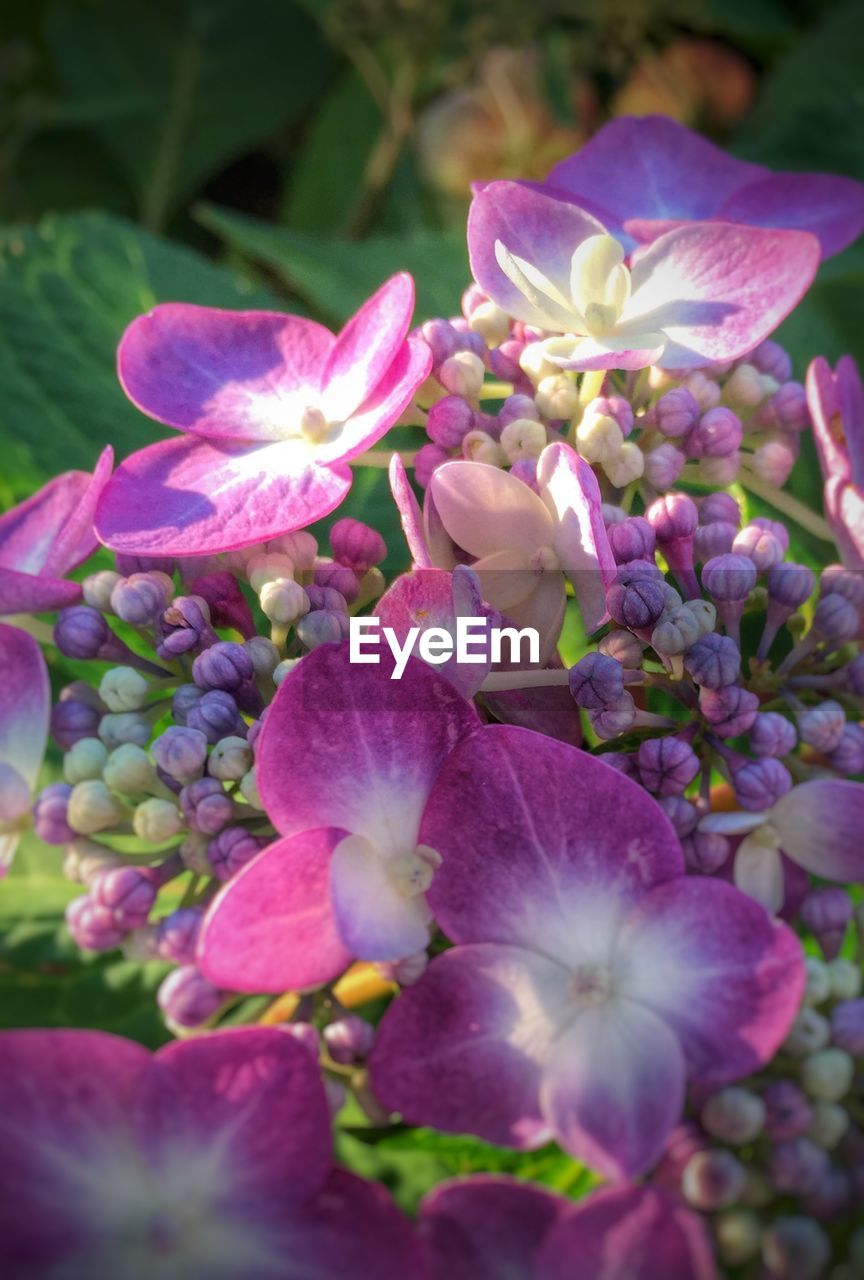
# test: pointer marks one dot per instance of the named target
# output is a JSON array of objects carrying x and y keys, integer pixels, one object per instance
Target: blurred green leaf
[
  {"x": 828, "y": 319},
  {"x": 336, "y": 275},
  {"x": 67, "y": 291},
  {"x": 177, "y": 88}
]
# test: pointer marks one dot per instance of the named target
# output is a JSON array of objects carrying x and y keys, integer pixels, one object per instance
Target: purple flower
[
  {"x": 575, "y": 938},
  {"x": 181, "y": 753},
  {"x": 215, "y": 714},
  {"x": 206, "y": 806},
  {"x": 667, "y": 766},
  {"x": 596, "y": 681},
  {"x": 772, "y": 735},
  {"x": 232, "y": 1128},
  {"x": 645, "y": 174},
  {"x": 714, "y": 661},
  {"x": 703, "y": 292},
  {"x": 272, "y": 408},
  {"x": 45, "y": 537},
  {"x": 350, "y": 875},
  {"x": 184, "y": 627},
  {"x": 836, "y": 403},
  {"x": 357, "y": 545}
]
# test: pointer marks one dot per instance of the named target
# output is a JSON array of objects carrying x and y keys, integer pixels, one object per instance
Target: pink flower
[
  {"x": 274, "y": 407},
  {"x": 490, "y": 1226},
  {"x": 208, "y": 1158},
  {"x": 345, "y": 764},
  {"x": 702, "y": 292},
  {"x": 591, "y": 978},
  {"x": 645, "y": 175},
  {"x": 45, "y": 537},
  {"x": 836, "y": 404},
  {"x": 25, "y": 709}
]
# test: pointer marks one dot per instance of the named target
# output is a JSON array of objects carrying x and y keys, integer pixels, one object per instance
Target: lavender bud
[
  {"x": 326, "y": 598},
  {"x": 734, "y": 1115},
  {"x": 712, "y": 1179},
  {"x": 818, "y": 987},
  {"x": 128, "y": 564},
  {"x": 635, "y": 601},
  {"x": 184, "y": 627},
  {"x": 787, "y": 408},
  {"x": 826, "y": 913},
  {"x": 681, "y": 813},
  {"x": 790, "y": 585},
  {"x": 772, "y": 735},
  {"x": 120, "y": 727},
  {"x": 822, "y": 726},
  {"x": 139, "y": 598},
  {"x": 730, "y": 710},
  {"x": 324, "y": 626},
  {"x": 796, "y": 1248},
  {"x": 705, "y": 851},
  {"x": 349, "y": 1039},
  {"x": 835, "y": 620},
  {"x": 123, "y": 689},
  {"x": 50, "y": 811},
  {"x": 712, "y": 540},
  {"x": 797, "y": 1165},
  {"x": 206, "y": 806},
  {"x": 129, "y": 770},
  {"x": 183, "y": 699},
  {"x": 788, "y": 1112},
  {"x": 357, "y": 545},
  {"x": 449, "y": 421},
  {"x": 714, "y": 661},
  {"x": 128, "y": 893},
  {"x": 632, "y": 539},
  {"x": 232, "y": 848},
  {"x": 759, "y": 784},
  {"x": 81, "y": 632},
  {"x": 624, "y": 647},
  {"x": 216, "y": 715},
  {"x": 729, "y": 578},
  {"x": 853, "y": 674},
  {"x": 181, "y": 753},
  {"x": 849, "y": 583},
  {"x": 677, "y": 630},
  {"x": 224, "y": 665},
  {"x": 760, "y": 546},
  {"x": 442, "y": 339},
  {"x": 342, "y": 579},
  {"x": 719, "y": 508},
  {"x": 228, "y": 606},
  {"x": 614, "y": 719},
  {"x": 187, "y": 999},
  {"x": 92, "y": 927},
  {"x": 667, "y": 766},
  {"x": 97, "y": 587},
  {"x": 516, "y": 407},
  {"x": 676, "y": 412},
  {"x": 427, "y": 460},
  {"x": 848, "y": 756},
  {"x": 847, "y": 1027},
  {"x": 663, "y": 465},
  {"x": 72, "y": 720},
  {"x": 717, "y": 434},
  {"x": 177, "y": 935},
  {"x": 770, "y": 358},
  {"x": 596, "y": 681}
]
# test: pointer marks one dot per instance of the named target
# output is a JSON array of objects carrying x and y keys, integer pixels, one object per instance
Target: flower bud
[
  {"x": 848, "y": 756},
  {"x": 357, "y": 545},
  {"x": 677, "y": 630},
  {"x": 230, "y": 759},
  {"x": 92, "y": 807},
  {"x": 231, "y": 849},
  {"x": 184, "y": 627},
  {"x": 788, "y": 408},
  {"x": 829, "y": 1125},
  {"x": 788, "y": 1112},
  {"x": 759, "y": 784},
  {"x": 826, "y": 912},
  {"x": 128, "y": 893},
  {"x": 822, "y": 726},
  {"x": 846, "y": 979},
  {"x": 738, "y": 1233},
  {"x": 441, "y": 338},
  {"x": 729, "y": 578},
  {"x": 181, "y": 753},
  {"x": 557, "y": 396},
  {"x": 730, "y": 710},
  {"x": 249, "y": 790},
  {"x": 818, "y": 987},
  {"x": 349, "y": 1039},
  {"x": 97, "y": 588},
  {"x": 712, "y": 540},
  {"x": 809, "y": 1032},
  {"x": 714, "y": 661},
  {"x": 759, "y": 546},
  {"x": 835, "y": 620},
  {"x": 284, "y": 669},
  {"x": 734, "y": 1115},
  {"x": 849, "y": 583},
  {"x": 206, "y": 806},
  {"x": 85, "y": 760},
  {"x": 624, "y": 647},
  {"x": 772, "y": 735},
  {"x": 598, "y": 438},
  {"x": 81, "y": 632},
  {"x": 156, "y": 820},
  {"x": 462, "y": 374},
  {"x": 324, "y": 626},
  {"x": 663, "y": 465},
  {"x": 216, "y": 716},
  {"x": 92, "y": 926},
  {"x": 596, "y": 681},
  {"x": 705, "y": 851},
  {"x": 704, "y": 390},
  {"x": 480, "y": 446},
  {"x": 449, "y": 421},
  {"x": 72, "y": 720},
  {"x": 525, "y": 469},
  {"x": 427, "y": 460},
  {"x": 344, "y": 580},
  {"x": 523, "y": 438},
  {"x": 187, "y": 999},
  {"x": 120, "y": 727},
  {"x": 770, "y": 358},
  {"x": 50, "y": 814},
  {"x": 790, "y": 585},
  {"x": 774, "y": 459},
  {"x": 797, "y": 1165},
  {"x": 676, "y": 412},
  {"x": 827, "y": 1074},
  {"x": 681, "y": 813},
  {"x": 614, "y": 719},
  {"x": 847, "y": 1027},
  {"x": 632, "y": 539},
  {"x": 405, "y": 972},
  {"x": 224, "y": 665},
  {"x": 490, "y": 322},
  {"x": 627, "y": 465},
  {"x": 177, "y": 935},
  {"x": 140, "y": 598},
  {"x": 128, "y": 769},
  {"x": 635, "y": 601},
  {"x": 667, "y": 766},
  {"x": 795, "y": 1248},
  {"x": 123, "y": 689},
  {"x": 717, "y": 434},
  {"x": 712, "y": 1179}
]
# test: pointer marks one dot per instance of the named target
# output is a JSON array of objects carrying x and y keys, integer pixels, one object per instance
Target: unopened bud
[
  {"x": 123, "y": 689},
  {"x": 84, "y": 760},
  {"x": 92, "y": 807},
  {"x": 129, "y": 770},
  {"x": 156, "y": 820}
]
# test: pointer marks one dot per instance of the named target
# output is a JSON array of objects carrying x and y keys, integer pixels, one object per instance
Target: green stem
[{"x": 787, "y": 505}]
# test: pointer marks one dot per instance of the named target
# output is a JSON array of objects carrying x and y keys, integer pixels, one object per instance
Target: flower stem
[
  {"x": 381, "y": 458},
  {"x": 786, "y": 504}
]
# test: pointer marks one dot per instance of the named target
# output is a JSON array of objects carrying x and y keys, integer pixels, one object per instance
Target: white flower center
[
  {"x": 591, "y": 302},
  {"x": 315, "y": 428},
  {"x": 592, "y": 983},
  {"x": 412, "y": 873}
]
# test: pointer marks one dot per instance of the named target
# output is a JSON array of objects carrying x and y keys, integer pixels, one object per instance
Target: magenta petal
[
  {"x": 820, "y": 824},
  {"x": 366, "y": 348},
  {"x": 829, "y": 206},
  {"x": 569, "y": 487},
  {"x": 333, "y": 748},
  {"x": 25, "y": 703},
  {"x": 550, "y": 711},
  {"x": 716, "y": 289},
  {"x": 61, "y": 1093},
  {"x": 627, "y": 1233},
  {"x": 479, "y": 1014},
  {"x": 254, "y": 1097},
  {"x": 410, "y": 515},
  {"x": 718, "y": 970},
  {"x": 651, "y": 167},
  {"x": 614, "y": 1088},
  {"x": 272, "y": 928},
  {"x": 29, "y": 593},
  {"x": 52, "y": 531},
  {"x": 534, "y": 226},
  {"x": 386, "y": 403},
  {"x": 351, "y": 1230},
  {"x": 487, "y": 1227},
  {"x": 76, "y": 538},
  {"x": 226, "y": 374},
  {"x": 189, "y": 497},
  {"x": 524, "y": 862}
]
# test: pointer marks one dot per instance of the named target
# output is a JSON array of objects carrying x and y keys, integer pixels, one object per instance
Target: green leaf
[
  {"x": 336, "y": 275},
  {"x": 67, "y": 291},
  {"x": 177, "y": 88}
]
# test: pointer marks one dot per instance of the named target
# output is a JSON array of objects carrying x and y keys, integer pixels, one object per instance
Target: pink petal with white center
[
  {"x": 242, "y": 375},
  {"x": 635, "y": 350},
  {"x": 376, "y": 916},
  {"x": 717, "y": 969},
  {"x": 383, "y": 407},
  {"x": 827, "y": 205},
  {"x": 434, "y": 598},
  {"x": 249, "y": 1101},
  {"x": 366, "y": 348},
  {"x": 52, "y": 531},
  {"x": 487, "y": 1227},
  {"x": 271, "y": 928},
  {"x": 65, "y": 1098},
  {"x": 487, "y": 510},
  {"x": 29, "y": 593},
  {"x": 627, "y": 1233},
  {"x": 190, "y": 497},
  {"x": 651, "y": 167},
  {"x": 569, "y": 487},
  {"x": 410, "y": 515},
  {"x": 716, "y": 289},
  {"x": 533, "y": 865},
  {"x": 479, "y": 1014},
  {"x": 541, "y": 231},
  {"x": 352, "y": 1229},
  {"x": 819, "y": 826},
  {"x": 614, "y": 1088},
  {"x": 333, "y": 748}
]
